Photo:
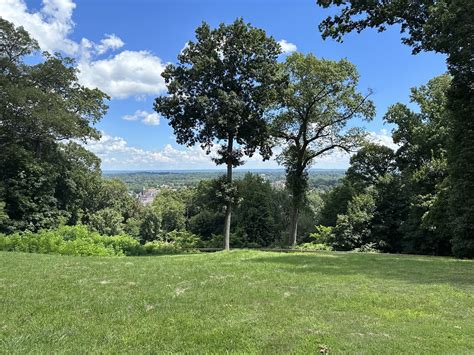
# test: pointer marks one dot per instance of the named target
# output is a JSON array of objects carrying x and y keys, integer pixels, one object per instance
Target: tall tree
[
  {"x": 219, "y": 91},
  {"x": 41, "y": 107},
  {"x": 314, "y": 110},
  {"x": 369, "y": 164},
  {"x": 443, "y": 26},
  {"x": 423, "y": 139}
]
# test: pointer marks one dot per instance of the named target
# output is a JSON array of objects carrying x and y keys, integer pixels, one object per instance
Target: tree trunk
[
  {"x": 228, "y": 210},
  {"x": 293, "y": 226}
]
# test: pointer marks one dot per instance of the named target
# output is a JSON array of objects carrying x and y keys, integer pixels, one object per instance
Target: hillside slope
[{"x": 242, "y": 301}]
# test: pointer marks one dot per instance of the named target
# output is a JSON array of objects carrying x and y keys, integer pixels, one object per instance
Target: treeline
[
  {"x": 229, "y": 88},
  {"x": 137, "y": 181},
  {"x": 396, "y": 201}
]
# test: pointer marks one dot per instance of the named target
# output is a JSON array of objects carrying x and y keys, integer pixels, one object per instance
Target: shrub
[
  {"x": 313, "y": 246},
  {"x": 183, "y": 239},
  {"x": 123, "y": 244},
  {"x": 174, "y": 242},
  {"x": 323, "y": 235},
  {"x": 85, "y": 247},
  {"x": 158, "y": 247},
  {"x": 30, "y": 242},
  {"x": 77, "y": 240},
  {"x": 368, "y": 248}
]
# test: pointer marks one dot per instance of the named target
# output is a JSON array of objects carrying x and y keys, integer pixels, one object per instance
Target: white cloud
[
  {"x": 287, "y": 47},
  {"x": 186, "y": 45},
  {"x": 126, "y": 74},
  {"x": 109, "y": 42},
  {"x": 152, "y": 119},
  {"x": 116, "y": 153},
  {"x": 50, "y": 26},
  {"x": 383, "y": 137}
]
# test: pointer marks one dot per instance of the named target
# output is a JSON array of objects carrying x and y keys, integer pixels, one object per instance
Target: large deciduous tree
[
  {"x": 443, "y": 26},
  {"x": 369, "y": 164},
  {"x": 312, "y": 117},
  {"x": 423, "y": 139},
  {"x": 219, "y": 90},
  {"x": 42, "y": 108}
]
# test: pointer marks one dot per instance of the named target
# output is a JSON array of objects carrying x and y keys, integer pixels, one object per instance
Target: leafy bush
[
  {"x": 368, "y": 248},
  {"x": 175, "y": 242},
  {"x": 313, "y": 246},
  {"x": 158, "y": 247},
  {"x": 29, "y": 242},
  {"x": 85, "y": 247},
  {"x": 77, "y": 240},
  {"x": 323, "y": 235},
  {"x": 183, "y": 239}
]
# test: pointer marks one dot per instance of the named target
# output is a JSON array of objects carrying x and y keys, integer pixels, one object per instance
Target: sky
[{"x": 122, "y": 46}]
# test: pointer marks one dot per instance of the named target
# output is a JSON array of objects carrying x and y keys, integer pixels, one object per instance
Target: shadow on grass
[{"x": 408, "y": 268}]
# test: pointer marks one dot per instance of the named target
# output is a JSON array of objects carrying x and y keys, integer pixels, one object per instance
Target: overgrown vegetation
[{"x": 79, "y": 240}]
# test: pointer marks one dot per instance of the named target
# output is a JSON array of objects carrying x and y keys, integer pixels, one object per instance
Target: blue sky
[{"x": 123, "y": 45}]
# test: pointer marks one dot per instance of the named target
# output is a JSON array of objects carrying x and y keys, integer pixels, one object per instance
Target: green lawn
[{"x": 241, "y": 301}]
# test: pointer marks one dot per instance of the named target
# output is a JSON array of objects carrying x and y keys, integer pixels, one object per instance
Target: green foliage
[
  {"x": 260, "y": 215},
  {"x": 443, "y": 26},
  {"x": 335, "y": 203},
  {"x": 132, "y": 227},
  {"x": 107, "y": 221},
  {"x": 42, "y": 180},
  {"x": 369, "y": 164},
  {"x": 76, "y": 240},
  {"x": 368, "y": 248},
  {"x": 150, "y": 227},
  {"x": 256, "y": 214},
  {"x": 174, "y": 242},
  {"x": 161, "y": 247},
  {"x": 219, "y": 91},
  {"x": 352, "y": 229},
  {"x": 313, "y": 112},
  {"x": 206, "y": 223},
  {"x": 313, "y": 246},
  {"x": 218, "y": 78},
  {"x": 172, "y": 209},
  {"x": 410, "y": 189},
  {"x": 323, "y": 235},
  {"x": 183, "y": 239},
  {"x": 4, "y": 219}
]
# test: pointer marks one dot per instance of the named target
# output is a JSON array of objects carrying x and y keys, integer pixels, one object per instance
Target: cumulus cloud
[
  {"x": 116, "y": 153},
  {"x": 287, "y": 47},
  {"x": 152, "y": 119},
  {"x": 126, "y": 74},
  {"x": 129, "y": 73},
  {"x": 383, "y": 137},
  {"x": 110, "y": 42},
  {"x": 50, "y": 26}
]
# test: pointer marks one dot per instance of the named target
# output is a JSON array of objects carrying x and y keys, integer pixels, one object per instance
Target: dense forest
[{"x": 228, "y": 88}]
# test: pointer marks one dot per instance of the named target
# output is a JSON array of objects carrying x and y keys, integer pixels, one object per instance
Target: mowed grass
[{"x": 240, "y": 301}]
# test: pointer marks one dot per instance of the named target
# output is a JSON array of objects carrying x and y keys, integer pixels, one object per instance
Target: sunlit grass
[{"x": 242, "y": 301}]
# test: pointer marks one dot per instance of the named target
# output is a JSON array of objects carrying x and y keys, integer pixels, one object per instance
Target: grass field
[{"x": 241, "y": 301}]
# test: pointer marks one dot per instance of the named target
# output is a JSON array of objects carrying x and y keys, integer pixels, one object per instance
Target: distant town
[{"x": 146, "y": 185}]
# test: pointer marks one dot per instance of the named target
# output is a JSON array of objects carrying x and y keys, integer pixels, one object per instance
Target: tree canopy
[
  {"x": 312, "y": 116},
  {"x": 219, "y": 92}
]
